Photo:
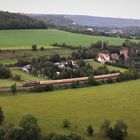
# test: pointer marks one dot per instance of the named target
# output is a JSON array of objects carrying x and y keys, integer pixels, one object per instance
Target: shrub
[
  {"x": 92, "y": 82},
  {"x": 74, "y": 136},
  {"x": 34, "y": 47},
  {"x": 118, "y": 132},
  {"x": 55, "y": 58},
  {"x": 66, "y": 123},
  {"x": 30, "y": 127},
  {"x": 2, "y": 133},
  {"x": 17, "y": 77},
  {"x": 1, "y": 116},
  {"x": 49, "y": 88},
  {"x": 14, "y": 88},
  {"x": 22, "y": 62},
  {"x": 90, "y": 130},
  {"x": 105, "y": 127},
  {"x": 14, "y": 133},
  {"x": 42, "y": 88},
  {"x": 37, "y": 89},
  {"x": 5, "y": 73},
  {"x": 75, "y": 84},
  {"x": 42, "y": 48}
]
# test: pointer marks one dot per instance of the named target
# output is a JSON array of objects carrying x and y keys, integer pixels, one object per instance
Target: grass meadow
[
  {"x": 23, "y": 39},
  {"x": 83, "y": 107},
  {"x": 96, "y": 65}
]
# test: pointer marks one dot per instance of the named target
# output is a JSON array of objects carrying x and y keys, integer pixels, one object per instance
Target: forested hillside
[{"x": 19, "y": 21}]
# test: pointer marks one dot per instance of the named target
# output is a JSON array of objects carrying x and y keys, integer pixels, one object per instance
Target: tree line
[{"x": 19, "y": 21}]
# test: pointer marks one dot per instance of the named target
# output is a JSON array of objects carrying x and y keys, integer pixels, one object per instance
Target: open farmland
[
  {"x": 23, "y": 39},
  {"x": 81, "y": 106}
]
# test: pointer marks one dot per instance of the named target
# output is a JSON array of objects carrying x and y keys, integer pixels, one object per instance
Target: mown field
[
  {"x": 23, "y": 39},
  {"x": 81, "y": 106}
]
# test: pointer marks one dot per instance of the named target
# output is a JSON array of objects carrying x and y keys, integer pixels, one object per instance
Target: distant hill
[
  {"x": 19, "y": 21},
  {"x": 71, "y": 20}
]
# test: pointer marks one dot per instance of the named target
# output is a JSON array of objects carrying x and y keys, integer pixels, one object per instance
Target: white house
[{"x": 103, "y": 57}]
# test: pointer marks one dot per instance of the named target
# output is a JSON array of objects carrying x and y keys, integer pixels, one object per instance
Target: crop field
[
  {"x": 96, "y": 65},
  {"x": 83, "y": 107},
  {"x": 23, "y": 39}
]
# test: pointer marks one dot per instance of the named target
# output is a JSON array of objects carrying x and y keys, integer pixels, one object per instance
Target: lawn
[
  {"x": 26, "y": 76},
  {"x": 96, "y": 65},
  {"x": 82, "y": 107},
  {"x": 8, "y": 61},
  {"x": 9, "y": 82},
  {"x": 23, "y": 39}
]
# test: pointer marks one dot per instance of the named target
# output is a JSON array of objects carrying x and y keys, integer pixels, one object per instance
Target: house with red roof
[{"x": 104, "y": 57}]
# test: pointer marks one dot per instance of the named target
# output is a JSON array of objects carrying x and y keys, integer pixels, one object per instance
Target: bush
[
  {"x": 30, "y": 127},
  {"x": 14, "y": 133},
  {"x": 92, "y": 82},
  {"x": 42, "y": 88},
  {"x": 55, "y": 58},
  {"x": 22, "y": 62},
  {"x": 2, "y": 133},
  {"x": 105, "y": 127},
  {"x": 75, "y": 84},
  {"x": 17, "y": 77},
  {"x": 14, "y": 88},
  {"x": 54, "y": 136},
  {"x": 66, "y": 123},
  {"x": 5, "y": 73},
  {"x": 73, "y": 136},
  {"x": 1, "y": 116},
  {"x": 90, "y": 130},
  {"x": 118, "y": 132},
  {"x": 34, "y": 47},
  {"x": 42, "y": 48}
]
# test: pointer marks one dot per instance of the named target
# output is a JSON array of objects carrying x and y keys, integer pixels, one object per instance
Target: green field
[
  {"x": 23, "y": 39},
  {"x": 82, "y": 107},
  {"x": 96, "y": 65},
  {"x": 9, "y": 82},
  {"x": 26, "y": 76},
  {"x": 8, "y": 61}
]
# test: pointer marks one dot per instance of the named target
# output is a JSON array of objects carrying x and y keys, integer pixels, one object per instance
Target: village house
[
  {"x": 26, "y": 68},
  {"x": 104, "y": 57},
  {"x": 63, "y": 65},
  {"x": 124, "y": 52},
  {"x": 114, "y": 57}
]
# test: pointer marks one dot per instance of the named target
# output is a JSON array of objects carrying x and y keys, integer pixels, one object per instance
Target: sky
[{"x": 103, "y": 8}]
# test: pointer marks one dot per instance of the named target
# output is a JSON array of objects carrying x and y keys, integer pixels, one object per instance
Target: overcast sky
[{"x": 107, "y": 8}]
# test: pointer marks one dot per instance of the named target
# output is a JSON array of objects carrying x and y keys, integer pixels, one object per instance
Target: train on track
[{"x": 69, "y": 81}]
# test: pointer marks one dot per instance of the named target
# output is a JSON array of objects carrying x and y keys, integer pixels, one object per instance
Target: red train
[{"x": 67, "y": 81}]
